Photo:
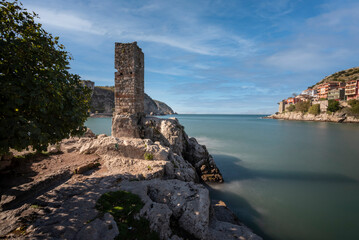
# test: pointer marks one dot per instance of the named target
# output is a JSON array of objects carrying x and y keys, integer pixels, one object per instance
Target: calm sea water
[{"x": 284, "y": 179}]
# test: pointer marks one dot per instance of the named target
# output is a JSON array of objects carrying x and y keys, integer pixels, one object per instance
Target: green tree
[
  {"x": 40, "y": 101},
  {"x": 354, "y": 110},
  {"x": 314, "y": 109},
  {"x": 291, "y": 108},
  {"x": 333, "y": 105},
  {"x": 302, "y": 106}
]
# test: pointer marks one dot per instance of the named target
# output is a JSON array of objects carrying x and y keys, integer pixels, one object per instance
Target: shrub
[
  {"x": 314, "y": 109},
  {"x": 353, "y": 102},
  {"x": 124, "y": 206},
  {"x": 148, "y": 156},
  {"x": 291, "y": 108},
  {"x": 333, "y": 105},
  {"x": 354, "y": 110},
  {"x": 302, "y": 106}
]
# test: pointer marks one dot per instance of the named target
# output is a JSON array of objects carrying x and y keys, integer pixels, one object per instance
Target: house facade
[
  {"x": 324, "y": 88},
  {"x": 336, "y": 94},
  {"x": 351, "y": 90},
  {"x": 310, "y": 92}
]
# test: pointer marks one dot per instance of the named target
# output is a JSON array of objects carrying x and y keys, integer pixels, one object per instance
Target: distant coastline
[{"x": 323, "y": 117}]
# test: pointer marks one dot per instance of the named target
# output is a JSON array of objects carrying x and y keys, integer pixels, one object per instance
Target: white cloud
[
  {"x": 67, "y": 20},
  {"x": 327, "y": 41}
]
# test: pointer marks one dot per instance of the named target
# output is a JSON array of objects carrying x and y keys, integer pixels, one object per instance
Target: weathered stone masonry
[
  {"x": 129, "y": 90},
  {"x": 129, "y": 79}
]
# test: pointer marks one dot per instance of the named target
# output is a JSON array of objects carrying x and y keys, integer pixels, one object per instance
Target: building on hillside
[
  {"x": 310, "y": 92},
  {"x": 303, "y": 97},
  {"x": 292, "y": 100},
  {"x": 336, "y": 94},
  {"x": 351, "y": 90},
  {"x": 324, "y": 88}
]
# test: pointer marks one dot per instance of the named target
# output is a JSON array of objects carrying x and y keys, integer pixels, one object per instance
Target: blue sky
[{"x": 202, "y": 56}]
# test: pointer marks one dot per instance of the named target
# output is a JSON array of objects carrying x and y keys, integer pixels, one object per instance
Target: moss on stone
[{"x": 123, "y": 206}]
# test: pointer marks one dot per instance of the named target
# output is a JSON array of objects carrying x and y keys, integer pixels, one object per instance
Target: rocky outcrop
[
  {"x": 154, "y": 107},
  {"x": 102, "y": 102},
  {"x": 182, "y": 210},
  {"x": 134, "y": 157},
  {"x": 323, "y": 117},
  {"x": 170, "y": 133},
  {"x": 176, "y": 206}
]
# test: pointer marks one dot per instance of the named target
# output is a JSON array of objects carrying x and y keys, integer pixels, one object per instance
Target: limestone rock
[
  {"x": 89, "y": 133},
  {"x": 101, "y": 228},
  {"x": 323, "y": 117},
  {"x": 127, "y": 156},
  {"x": 170, "y": 133},
  {"x": 181, "y": 210}
]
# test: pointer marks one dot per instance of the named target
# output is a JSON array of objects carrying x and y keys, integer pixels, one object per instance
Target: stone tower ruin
[{"x": 129, "y": 90}]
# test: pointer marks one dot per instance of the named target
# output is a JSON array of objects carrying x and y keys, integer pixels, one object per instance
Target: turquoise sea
[{"x": 284, "y": 179}]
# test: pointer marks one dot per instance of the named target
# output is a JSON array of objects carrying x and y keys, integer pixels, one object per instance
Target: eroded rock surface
[
  {"x": 170, "y": 133},
  {"x": 178, "y": 210},
  {"x": 323, "y": 117},
  {"x": 175, "y": 204}
]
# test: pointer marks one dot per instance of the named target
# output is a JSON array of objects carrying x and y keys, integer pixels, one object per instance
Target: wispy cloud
[
  {"x": 211, "y": 56},
  {"x": 67, "y": 20}
]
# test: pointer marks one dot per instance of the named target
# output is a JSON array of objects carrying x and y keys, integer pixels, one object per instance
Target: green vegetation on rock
[
  {"x": 333, "y": 105},
  {"x": 40, "y": 101},
  {"x": 342, "y": 76},
  {"x": 291, "y": 108},
  {"x": 124, "y": 206},
  {"x": 148, "y": 156},
  {"x": 314, "y": 109},
  {"x": 354, "y": 110},
  {"x": 302, "y": 106}
]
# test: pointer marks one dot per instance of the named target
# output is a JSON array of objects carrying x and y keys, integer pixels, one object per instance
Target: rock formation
[
  {"x": 61, "y": 205},
  {"x": 102, "y": 102},
  {"x": 323, "y": 117},
  {"x": 151, "y": 157},
  {"x": 155, "y": 107}
]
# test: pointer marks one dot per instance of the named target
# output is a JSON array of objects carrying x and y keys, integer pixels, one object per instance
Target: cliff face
[
  {"x": 102, "y": 101},
  {"x": 154, "y": 107}
]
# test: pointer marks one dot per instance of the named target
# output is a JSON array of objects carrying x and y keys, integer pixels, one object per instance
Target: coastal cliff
[
  {"x": 165, "y": 169},
  {"x": 323, "y": 117},
  {"x": 102, "y": 102}
]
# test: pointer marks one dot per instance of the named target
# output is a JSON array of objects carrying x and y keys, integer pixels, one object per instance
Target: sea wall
[{"x": 323, "y": 117}]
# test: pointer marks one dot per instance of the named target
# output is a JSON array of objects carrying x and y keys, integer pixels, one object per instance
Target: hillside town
[{"x": 342, "y": 91}]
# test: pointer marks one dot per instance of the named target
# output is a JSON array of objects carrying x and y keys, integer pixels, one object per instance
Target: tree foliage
[
  {"x": 302, "y": 106},
  {"x": 354, "y": 110},
  {"x": 333, "y": 105},
  {"x": 314, "y": 109},
  {"x": 291, "y": 108},
  {"x": 40, "y": 101}
]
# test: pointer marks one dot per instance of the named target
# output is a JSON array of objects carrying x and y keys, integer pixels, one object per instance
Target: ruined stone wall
[
  {"x": 129, "y": 79},
  {"x": 129, "y": 90}
]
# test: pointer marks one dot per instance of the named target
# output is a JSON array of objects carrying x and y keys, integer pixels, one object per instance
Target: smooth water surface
[{"x": 284, "y": 179}]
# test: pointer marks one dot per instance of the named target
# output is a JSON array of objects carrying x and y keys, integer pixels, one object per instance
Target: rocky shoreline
[
  {"x": 323, "y": 117},
  {"x": 166, "y": 169}
]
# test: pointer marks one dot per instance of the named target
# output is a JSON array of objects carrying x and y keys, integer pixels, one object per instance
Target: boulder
[
  {"x": 181, "y": 210},
  {"x": 170, "y": 133}
]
